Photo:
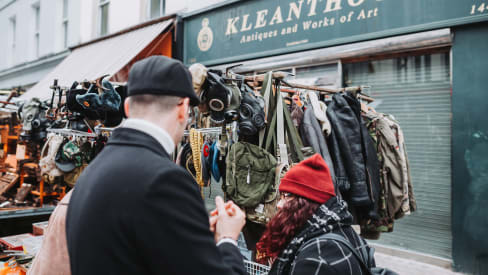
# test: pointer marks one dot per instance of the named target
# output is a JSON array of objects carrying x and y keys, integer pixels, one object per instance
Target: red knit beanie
[{"x": 309, "y": 179}]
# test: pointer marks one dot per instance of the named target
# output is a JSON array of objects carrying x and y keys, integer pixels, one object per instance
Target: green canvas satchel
[{"x": 250, "y": 174}]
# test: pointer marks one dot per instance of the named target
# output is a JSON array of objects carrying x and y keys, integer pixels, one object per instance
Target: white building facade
[{"x": 37, "y": 34}]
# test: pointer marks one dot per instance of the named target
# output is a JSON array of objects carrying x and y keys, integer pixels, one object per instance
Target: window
[
  {"x": 37, "y": 18},
  {"x": 12, "y": 35},
  {"x": 103, "y": 17},
  {"x": 65, "y": 24},
  {"x": 156, "y": 8},
  {"x": 13, "y": 27}
]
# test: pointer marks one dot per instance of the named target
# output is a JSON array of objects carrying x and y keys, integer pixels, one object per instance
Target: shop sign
[{"x": 255, "y": 28}]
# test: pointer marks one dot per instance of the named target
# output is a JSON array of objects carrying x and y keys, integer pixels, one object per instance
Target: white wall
[
  {"x": 123, "y": 14},
  {"x": 50, "y": 31},
  {"x": 83, "y": 24}
]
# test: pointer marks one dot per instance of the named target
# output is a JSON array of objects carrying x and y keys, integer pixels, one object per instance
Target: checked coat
[{"x": 307, "y": 253}]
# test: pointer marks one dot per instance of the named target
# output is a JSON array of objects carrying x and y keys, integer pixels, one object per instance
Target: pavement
[{"x": 410, "y": 267}]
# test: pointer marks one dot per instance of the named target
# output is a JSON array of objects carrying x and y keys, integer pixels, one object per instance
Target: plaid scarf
[{"x": 331, "y": 215}]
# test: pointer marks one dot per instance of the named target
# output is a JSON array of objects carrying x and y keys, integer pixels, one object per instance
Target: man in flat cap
[{"x": 133, "y": 210}]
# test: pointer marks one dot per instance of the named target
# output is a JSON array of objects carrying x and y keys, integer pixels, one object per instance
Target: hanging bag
[
  {"x": 274, "y": 134},
  {"x": 48, "y": 155},
  {"x": 251, "y": 180},
  {"x": 250, "y": 174}
]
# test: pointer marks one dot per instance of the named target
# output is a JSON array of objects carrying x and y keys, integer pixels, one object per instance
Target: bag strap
[
  {"x": 280, "y": 124},
  {"x": 267, "y": 85},
  {"x": 346, "y": 243},
  {"x": 280, "y": 129},
  {"x": 296, "y": 142}
]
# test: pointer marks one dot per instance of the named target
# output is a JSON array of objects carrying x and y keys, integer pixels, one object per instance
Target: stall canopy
[{"x": 111, "y": 55}]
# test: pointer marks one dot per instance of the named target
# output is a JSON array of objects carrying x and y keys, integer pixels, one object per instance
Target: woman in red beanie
[{"x": 308, "y": 209}]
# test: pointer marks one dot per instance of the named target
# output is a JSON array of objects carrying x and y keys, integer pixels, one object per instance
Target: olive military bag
[{"x": 250, "y": 174}]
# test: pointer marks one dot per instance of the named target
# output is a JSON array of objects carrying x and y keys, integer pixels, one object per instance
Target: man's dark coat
[{"x": 134, "y": 211}]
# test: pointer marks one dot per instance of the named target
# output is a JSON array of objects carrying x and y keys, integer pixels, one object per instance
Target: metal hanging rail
[
  {"x": 70, "y": 132},
  {"x": 99, "y": 129},
  {"x": 255, "y": 79},
  {"x": 212, "y": 130}
]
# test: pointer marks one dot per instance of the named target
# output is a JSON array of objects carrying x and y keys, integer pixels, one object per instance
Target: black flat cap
[{"x": 160, "y": 75}]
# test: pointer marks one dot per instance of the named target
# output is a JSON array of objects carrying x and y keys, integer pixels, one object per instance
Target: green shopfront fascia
[{"x": 411, "y": 54}]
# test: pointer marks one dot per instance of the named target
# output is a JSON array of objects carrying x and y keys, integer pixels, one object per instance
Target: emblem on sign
[{"x": 205, "y": 36}]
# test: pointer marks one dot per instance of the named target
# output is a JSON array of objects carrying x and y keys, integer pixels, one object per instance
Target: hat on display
[
  {"x": 199, "y": 74},
  {"x": 215, "y": 165},
  {"x": 109, "y": 100},
  {"x": 71, "y": 102},
  {"x": 72, "y": 152},
  {"x": 186, "y": 160},
  {"x": 71, "y": 177},
  {"x": 112, "y": 118},
  {"x": 62, "y": 163},
  {"x": 69, "y": 157},
  {"x": 160, "y": 75},
  {"x": 206, "y": 162},
  {"x": 74, "y": 106},
  {"x": 309, "y": 179}
]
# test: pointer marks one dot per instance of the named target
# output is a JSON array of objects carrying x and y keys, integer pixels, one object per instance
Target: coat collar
[
  {"x": 133, "y": 137},
  {"x": 158, "y": 133}
]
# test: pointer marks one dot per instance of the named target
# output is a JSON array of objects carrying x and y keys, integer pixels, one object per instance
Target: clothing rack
[
  {"x": 8, "y": 110},
  {"x": 99, "y": 129},
  {"x": 212, "y": 130},
  {"x": 70, "y": 132},
  {"x": 281, "y": 75},
  {"x": 355, "y": 89}
]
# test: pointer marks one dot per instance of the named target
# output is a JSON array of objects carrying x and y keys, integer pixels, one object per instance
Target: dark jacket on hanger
[
  {"x": 134, "y": 211},
  {"x": 353, "y": 153},
  {"x": 312, "y": 135}
]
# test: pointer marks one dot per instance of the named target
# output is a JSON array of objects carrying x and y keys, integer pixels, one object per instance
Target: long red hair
[{"x": 285, "y": 225}]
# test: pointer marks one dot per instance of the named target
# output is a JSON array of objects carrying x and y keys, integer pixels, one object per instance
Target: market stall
[{"x": 250, "y": 129}]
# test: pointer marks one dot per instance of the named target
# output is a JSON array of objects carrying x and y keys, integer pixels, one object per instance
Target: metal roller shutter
[{"x": 417, "y": 91}]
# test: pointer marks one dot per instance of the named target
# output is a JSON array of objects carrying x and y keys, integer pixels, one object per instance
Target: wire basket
[{"x": 253, "y": 268}]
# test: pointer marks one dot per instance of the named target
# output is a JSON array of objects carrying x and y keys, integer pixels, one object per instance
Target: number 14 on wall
[{"x": 480, "y": 9}]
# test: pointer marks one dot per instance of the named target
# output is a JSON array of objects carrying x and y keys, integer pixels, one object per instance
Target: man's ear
[
  {"x": 183, "y": 109},
  {"x": 126, "y": 107}
]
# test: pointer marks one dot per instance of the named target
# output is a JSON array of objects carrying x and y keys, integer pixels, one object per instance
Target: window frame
[
  {"x": 162, "y": 9},
  {"x": 101, "y": 5},
  {"x": 13, "y": 32}
]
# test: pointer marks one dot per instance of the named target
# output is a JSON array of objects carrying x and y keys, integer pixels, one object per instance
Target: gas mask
[
  {"x": 34, "y": 121},
  {"x": 223, "y": 99},
  {"x": 251, "y": 113}
]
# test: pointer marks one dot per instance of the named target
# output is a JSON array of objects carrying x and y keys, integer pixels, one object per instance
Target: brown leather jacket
[{"x": 52, "y": 258}]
